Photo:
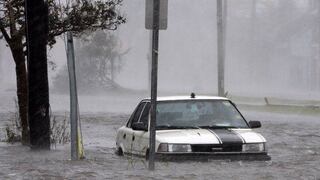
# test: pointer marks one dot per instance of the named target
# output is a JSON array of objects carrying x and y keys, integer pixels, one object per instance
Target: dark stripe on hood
[{"x": 227, "y": 136}]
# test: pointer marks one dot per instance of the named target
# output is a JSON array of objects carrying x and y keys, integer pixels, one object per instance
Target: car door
[
  {"x": 140, "y": 137},
  {"x": 129, "y": 135}
]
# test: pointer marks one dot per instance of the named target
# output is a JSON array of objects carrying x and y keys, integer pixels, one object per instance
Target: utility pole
[
  {"x": 73, "y": 98},
  {"x": 316, "y": 47},
  {"x": 112, "y": 69},
  {"x": 221, "y": 8},
  {"x": 318, "y": 50},
  {"x": 252, "y": 60},
  {"x": 38, "y": 88}
]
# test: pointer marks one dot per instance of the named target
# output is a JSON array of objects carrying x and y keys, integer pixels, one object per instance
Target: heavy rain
[{"x": 271, "y": 72}]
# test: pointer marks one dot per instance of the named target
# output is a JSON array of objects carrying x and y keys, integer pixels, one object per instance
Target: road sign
[{"x": 163, "y": 14}]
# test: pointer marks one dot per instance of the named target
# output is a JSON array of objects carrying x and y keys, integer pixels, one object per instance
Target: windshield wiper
[
  {"x": 177, "y": 127},
  {"x": 188, "y": 127},
  {"x": 217, "y": 127}
]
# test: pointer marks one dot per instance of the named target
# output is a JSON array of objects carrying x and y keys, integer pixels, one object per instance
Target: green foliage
[
  {"x": 77, "y": 16},
  {"x": 83, "y": 16},
  {"x": 59, "y": 130}
]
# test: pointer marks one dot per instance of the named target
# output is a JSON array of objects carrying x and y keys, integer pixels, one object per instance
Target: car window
[
  {"x": 145, "y": 114},
  {"x": 199, "y": 113},
  {"x": 137, "y": 114}
]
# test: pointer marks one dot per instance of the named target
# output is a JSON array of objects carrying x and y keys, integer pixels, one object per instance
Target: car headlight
[
  {"x": 164, "y": 147},
  {"x": 255, "y": 147}
]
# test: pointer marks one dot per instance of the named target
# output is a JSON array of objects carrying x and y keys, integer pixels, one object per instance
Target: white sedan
[{"x": 192, "y": 127}]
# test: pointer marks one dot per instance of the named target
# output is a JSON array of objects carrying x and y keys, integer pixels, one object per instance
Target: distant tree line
[
  {"x": 277, "y": 36},
  {"x": 99, "y": 57}
]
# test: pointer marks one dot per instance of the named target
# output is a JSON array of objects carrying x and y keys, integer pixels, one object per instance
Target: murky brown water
[{"x": 293, "y": 143}]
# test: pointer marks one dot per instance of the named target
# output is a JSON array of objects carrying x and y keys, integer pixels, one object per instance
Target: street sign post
[
  {"x": 156, "y": 18},
  {"x": 154, "y": 83}
]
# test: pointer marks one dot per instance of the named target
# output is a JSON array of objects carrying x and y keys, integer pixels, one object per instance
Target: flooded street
[
  {"x": 100, "y": 58},
  {"x": 293, "y": 144}
]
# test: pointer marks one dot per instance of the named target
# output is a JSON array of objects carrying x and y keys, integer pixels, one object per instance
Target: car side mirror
[
  {"x": 139, "y": 126},
  {"x": 254, "y": 124}
]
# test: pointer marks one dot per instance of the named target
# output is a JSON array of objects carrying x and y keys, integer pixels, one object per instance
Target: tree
[
  {"x": 99, "y": 58},
  {"x": 79, "y": 17},
  {"x": 38, "y": 92}
]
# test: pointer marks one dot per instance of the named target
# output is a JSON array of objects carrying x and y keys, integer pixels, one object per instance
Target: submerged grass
[{"x": 59, "y": 130}]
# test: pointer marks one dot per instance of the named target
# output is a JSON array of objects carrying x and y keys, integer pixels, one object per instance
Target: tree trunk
[
  {"x": 22, "y": 88},
  {"x": 38, "y": 93},
  {"x": 22, "y": 94}
]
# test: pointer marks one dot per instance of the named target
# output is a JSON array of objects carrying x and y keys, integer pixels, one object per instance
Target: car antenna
[{"x": 193, "y": 95}]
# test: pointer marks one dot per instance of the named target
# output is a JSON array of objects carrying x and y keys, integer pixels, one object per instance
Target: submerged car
[{"x": 202, "y": 126}]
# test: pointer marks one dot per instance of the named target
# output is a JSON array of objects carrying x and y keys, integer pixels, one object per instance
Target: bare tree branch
[{"x": 4, "y": 32}]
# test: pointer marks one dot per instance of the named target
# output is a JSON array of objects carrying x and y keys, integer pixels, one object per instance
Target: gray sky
[{"x": 271, "y": 56}]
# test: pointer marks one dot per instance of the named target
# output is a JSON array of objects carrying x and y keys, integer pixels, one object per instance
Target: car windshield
[{"x": 198, "y": 114}]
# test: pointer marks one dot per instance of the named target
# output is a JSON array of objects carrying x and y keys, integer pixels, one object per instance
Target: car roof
[{"x": 181, "y": 98}]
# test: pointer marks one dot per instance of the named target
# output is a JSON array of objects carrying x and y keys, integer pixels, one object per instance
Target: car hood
[{"x": 209, "y": 136}]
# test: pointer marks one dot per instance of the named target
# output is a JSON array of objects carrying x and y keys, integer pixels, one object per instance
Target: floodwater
[{"x": 293, "y": 144}]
